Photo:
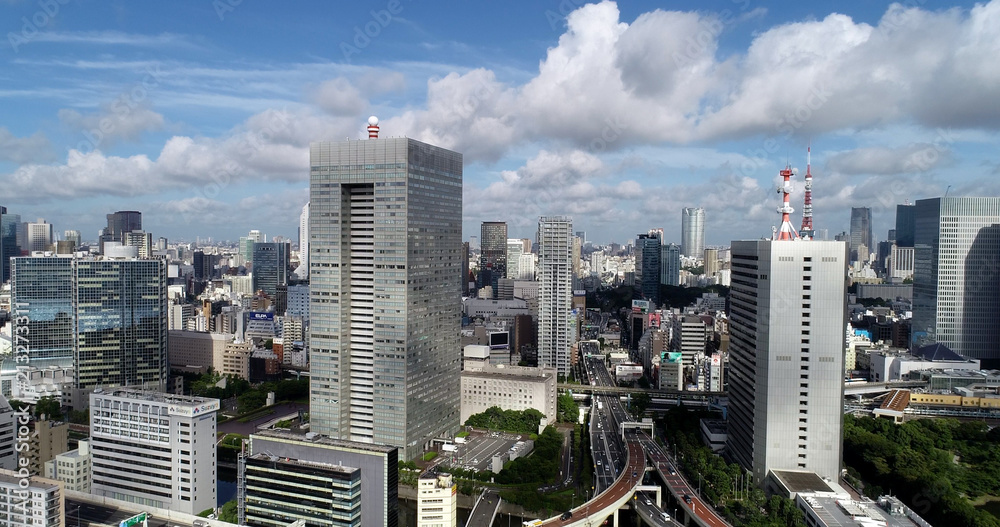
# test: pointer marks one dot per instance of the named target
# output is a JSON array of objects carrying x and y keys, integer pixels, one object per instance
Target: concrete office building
[
  {"x": 42, "y": 503},
  {"x": 900, "y": 262},
  {"x": 141, "y": 240},
  {"x": 8, "y": 434},
  {"x": 172, "y": 437},
  {"x": 385, "y": 227},
  {"x": 555, "y": 291},
  {"x": 298, "y": 301},
  {"x": 49, "y": 439},
  {"x": 693, "y": 232},
  {"x": 861, "y": 233},
  {"x": 509, "y": 387},
  {"x": 437, "y": 500},
  {"x": 670, "y": 264},
  {"x": 72, "y": 468},
  {"x": 279, "y": 491},
  {"x": 195, "y": 351},
  {"x": 514, "y": 251},
  {"x": 40, "y": 236},
  {"x": 786, "y": 355},
  {"x": 956, "y": 276},
  {"x": 377, "y": 464}
]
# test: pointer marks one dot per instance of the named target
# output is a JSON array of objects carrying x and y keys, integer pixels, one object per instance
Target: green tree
[
  {"x": 569, "y": 410},
  {"x": 229, "y": 512},
  {"x": 50, "y": 407},
  {"x": 639, "y": 403}
]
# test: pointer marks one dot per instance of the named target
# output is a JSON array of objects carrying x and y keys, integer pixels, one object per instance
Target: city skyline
[{"x": 211, "y": 130}]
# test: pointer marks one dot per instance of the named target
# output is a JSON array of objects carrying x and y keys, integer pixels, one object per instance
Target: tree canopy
[{"x": 516, "y": 421}]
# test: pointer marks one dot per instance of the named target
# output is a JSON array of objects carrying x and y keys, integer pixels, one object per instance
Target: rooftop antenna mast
[{"x": 806, "y": 231}]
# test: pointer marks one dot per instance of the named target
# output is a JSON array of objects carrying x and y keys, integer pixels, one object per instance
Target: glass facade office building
[
  {"x": 956, "y": 275},
  {"x": 8, "y": 241},
  {"x": 270, "y": 266},
  {"x": 385, "y": 229},
  {"x": 42, "y": 298}
]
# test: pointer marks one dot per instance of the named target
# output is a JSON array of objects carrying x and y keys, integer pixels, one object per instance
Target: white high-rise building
[
  {"x": 437, "y": 500},
  {"x": 555, "y": 291},
  {"x": 526, "y": 266},
  {"x": 385, "y": 310},
  {"x": 955, "y": 276},
  {"x": 786, "y": 355},
  {"x": 171, "y": 437},
  {"x": 40, "y": 236},
  {"x": 303, "y": 269},
  {"x": 693, "y": 232},
  {"x": 514, "y": 250}
]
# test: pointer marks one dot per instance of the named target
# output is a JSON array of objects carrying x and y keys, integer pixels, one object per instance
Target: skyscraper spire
[
  {"x": 807, "y": 206},
  {"x": 786, "y": 231}
]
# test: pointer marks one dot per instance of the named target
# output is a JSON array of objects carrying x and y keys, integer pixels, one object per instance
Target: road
[
  {"x": 82, "y": 514},
  {"x": 679, "y": 486}
]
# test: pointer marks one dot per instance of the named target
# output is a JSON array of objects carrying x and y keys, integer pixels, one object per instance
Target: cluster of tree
[
  {"x": 613, "y": 299},
  {"x": 725, "y": 486},
  {"x": 568, "y": 410},
  {"x": 541, "y": 466},
  {"x": 516, "y": 421},
  {"x": 229, "y": 512},
  {"x": 933, "y": 465},
  {"x": 249, "y": 397},
  {"x": 229, "y": 448},
  {"x": 206, "y": 385}
]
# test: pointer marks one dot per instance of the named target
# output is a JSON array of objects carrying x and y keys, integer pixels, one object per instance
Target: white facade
[
  {"x": 555, "y": 291},
  {"x": 302, "y": 271},
  {"x": 171, "y": 437},
  {"x": 901, "y": 262},
  {"x": 526, "y": 266},
  {"x": 514, "y": 250},
  {"x": 693, "y": 232},
  {"x": 510, "y": 388},
  {"x": 41, "y": 504},
  {"x": 71, "y": 468},
  {"x": 39, "y": 236},
  {"x": 28, "y": 384},
  {"x": 786, "y": 367},
  {"x": 437, "y": 501}
]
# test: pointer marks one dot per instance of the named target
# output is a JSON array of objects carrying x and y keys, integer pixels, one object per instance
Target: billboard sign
[
  {"x": 194, "y": 410},
  {"x": 261, "y": 315},
  {"x": 640, "y": 306}
]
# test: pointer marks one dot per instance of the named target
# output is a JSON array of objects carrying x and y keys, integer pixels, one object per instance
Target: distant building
[
  {"x": 861, "y": 233},
  {"x": 49, "y": 439},
  {"x": 8, "y": 241},
  {"x": 171, "y": 437},
  {"x": 120, "y": 223},
  {"x": 906, "y": 224},
  {"x": 493, "y": 255},
  {"x": 670, "y": 270},
  {"x": 35, "y": 501},
  {"x": 437, "y": 500},
  {"x": 8, "y": 434},
  {"x": 647, "y": 265},
  {"x": 195, "y": 351},
  {"x": 40, "y": 236},
  {"x": 693, "y": 232},
  {"x": 270, "y": 267},
  {"x": 895, "y": 366}
]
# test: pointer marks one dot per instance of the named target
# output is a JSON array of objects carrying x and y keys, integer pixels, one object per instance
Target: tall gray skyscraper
[
  {"x": 40, "y": 236},
  {"x": 270, "y": 266},
  {"x": 956, "y": 275},
  {"x": 555, "y": 291},
  {"x": 385, "y": 310},
  {"x": 8, "y": 241},
  {"x": 493, "y": 256},
  {"x": 861, "y": 233},
  {"x": 786, "y": 355},
  {"x": 670, "y": 264},
  {"x": 648, "y": 258},
  {"x": 693, "y": 232},
  {"x": 302, "y": 271}
]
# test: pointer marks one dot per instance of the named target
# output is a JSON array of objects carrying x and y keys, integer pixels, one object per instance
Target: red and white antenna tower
[
  {"x": 807, "y": 206},
  {"x": 373, "y": 127},
  {"x": 786, "y": 231}
]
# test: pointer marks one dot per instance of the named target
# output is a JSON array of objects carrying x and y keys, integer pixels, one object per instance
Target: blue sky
[{"x": 199, "y": 114}]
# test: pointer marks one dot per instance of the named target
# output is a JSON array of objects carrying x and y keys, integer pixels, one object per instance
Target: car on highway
[
  {"x": 566, "y": 515},
  {"x": 673, "y": 472},
  {"x": 687, "y": 499}
]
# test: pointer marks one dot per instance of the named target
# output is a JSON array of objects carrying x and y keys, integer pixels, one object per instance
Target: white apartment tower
[
  {"x": 303, "y": 270},
  {"x": 171, "y": 437},
  {"x": 693, "y": 232},
  {"x": 437, "y": 500},
  {"x": 385, "y": 291},
  {"x": 555, "y": 291},
  {"x": 786, "y": 355}
]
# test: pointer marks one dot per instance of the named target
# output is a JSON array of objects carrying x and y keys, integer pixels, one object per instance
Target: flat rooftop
[
  {"x": 836, "y": 512},
  {"x": 333, "y": 467},
  {"x": 323, "y": 440},
  {"x": 797, "y": 482},
  {"x": 151, "y": 396}
]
